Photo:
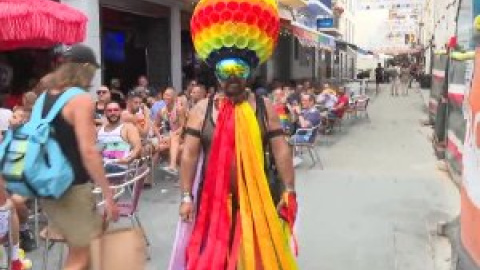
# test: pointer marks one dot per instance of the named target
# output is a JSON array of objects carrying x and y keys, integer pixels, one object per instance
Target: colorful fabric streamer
[
  {"x": 184, "y": 229},
  {"x": 238, "y": 226}
]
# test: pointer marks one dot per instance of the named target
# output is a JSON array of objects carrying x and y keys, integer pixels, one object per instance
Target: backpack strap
[
  {"x": 208, "y": 112},
  {"x": 61, "y": 101}
]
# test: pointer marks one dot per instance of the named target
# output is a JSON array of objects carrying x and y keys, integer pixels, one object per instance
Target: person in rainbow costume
[{"x": 229, "y": 219}]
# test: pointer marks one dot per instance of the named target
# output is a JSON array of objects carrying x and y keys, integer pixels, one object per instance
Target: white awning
[{"x": 293, "y": 3}]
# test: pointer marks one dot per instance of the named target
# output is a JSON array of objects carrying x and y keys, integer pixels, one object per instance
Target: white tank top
[{"x": 112, "y": 144}]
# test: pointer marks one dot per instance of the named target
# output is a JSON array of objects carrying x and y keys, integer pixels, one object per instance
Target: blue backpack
[{"x": 31, "y": 160}]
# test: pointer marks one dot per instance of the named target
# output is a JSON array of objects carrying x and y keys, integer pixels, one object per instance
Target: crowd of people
[
  {"x": 147, "y": 120},
  {"x": 151, "y": 122},
  {"x": 400, "y": 75}
]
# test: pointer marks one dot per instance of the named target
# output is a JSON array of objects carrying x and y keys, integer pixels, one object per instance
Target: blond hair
[
  {"x": 29, "y": 99},
  {"x": 73, "y": 75}
]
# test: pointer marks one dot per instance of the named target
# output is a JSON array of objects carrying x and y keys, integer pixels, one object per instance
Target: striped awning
[{"x": 312, "y": 38}]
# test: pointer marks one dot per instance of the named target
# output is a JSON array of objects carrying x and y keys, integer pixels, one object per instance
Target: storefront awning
[
  {"x": 312, "y": 38},
  {"x": 316, "y": 8},
  {"x": 293, "y": 3},
  {"x": 343, "y": 45}
]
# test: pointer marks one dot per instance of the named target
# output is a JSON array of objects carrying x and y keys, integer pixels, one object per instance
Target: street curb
[
  {"x": 461, "y": 260},
  {"x": 456, "y": 179}
]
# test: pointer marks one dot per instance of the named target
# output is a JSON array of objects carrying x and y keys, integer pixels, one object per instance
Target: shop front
[
  {"x": 137, "y": 39},
  {"x": 144, "y": 37},
  {"x": 307, "y": 50}
]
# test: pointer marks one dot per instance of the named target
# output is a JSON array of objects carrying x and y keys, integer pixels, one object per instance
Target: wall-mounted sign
[{"x": 325, "y": 23}]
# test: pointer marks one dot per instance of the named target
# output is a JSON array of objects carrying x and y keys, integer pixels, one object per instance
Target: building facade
[
  {"x": 437, "y": 26},
  {"x": 151, "y": 37},
  {"x": 346, "y": 56},
  {"x": 144, "y": 37}
]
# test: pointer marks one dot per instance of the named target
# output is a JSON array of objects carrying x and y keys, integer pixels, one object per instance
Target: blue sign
[{"x": 325, "y": 23}]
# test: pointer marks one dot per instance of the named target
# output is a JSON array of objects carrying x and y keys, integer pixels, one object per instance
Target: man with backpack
[{"x": 62, "y": 158}]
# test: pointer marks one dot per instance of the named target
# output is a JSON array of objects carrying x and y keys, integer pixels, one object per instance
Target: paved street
[
  {"x": 380, "y": 195},
  {"x": 373, "y": 207}
]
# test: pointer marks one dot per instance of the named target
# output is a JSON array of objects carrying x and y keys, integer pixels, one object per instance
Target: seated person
[
  {"x": 338, "y": 110},
  {"x": 327, "y": 99},
  {"x": 160, "y": 139},
  {"x": 120, "y": 142},
  {"x": 173, "y": 117},
  {"x": 342, "y": 104},
  {"x": 137, "y": 113},
  {"x": 309, "y": 117},
  {"x": 104, "y": 96}
]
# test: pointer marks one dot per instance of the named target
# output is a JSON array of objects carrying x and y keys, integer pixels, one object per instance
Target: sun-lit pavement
[
  {"x": 380, "y": 196},
  {"x": 373, "y": 206}
]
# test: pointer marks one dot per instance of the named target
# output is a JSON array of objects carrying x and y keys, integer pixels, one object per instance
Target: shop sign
[{"x": 325, "y": 23}]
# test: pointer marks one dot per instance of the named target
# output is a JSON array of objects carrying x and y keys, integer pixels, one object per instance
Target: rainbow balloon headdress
[{"x": 232, "y": 34}]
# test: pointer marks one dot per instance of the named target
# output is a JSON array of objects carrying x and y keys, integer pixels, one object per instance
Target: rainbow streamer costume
[{"x": 237, "y": 226}]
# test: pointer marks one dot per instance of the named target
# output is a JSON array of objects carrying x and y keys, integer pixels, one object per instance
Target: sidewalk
[{"x": 377, "y": 204}]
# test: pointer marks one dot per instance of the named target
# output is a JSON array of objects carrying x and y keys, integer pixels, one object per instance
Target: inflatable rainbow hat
[{"x": 235, "y": 36}]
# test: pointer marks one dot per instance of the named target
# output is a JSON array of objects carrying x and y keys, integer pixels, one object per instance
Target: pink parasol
[{"x": 39, "y": 24}]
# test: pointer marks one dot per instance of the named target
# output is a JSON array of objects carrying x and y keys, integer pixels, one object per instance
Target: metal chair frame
[
  {"x": 131, "y": 177},
  {"x": 361, "y": 105},
  {"x": 311, "y": 147}
]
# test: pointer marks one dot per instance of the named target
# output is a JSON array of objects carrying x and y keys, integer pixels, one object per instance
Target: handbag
[{"x": 119, "y": 249}]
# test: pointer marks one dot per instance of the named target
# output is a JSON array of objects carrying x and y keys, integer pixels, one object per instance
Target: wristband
[
  {"x": 186, "y": 197},
  {"x": 290, "y": 190}
]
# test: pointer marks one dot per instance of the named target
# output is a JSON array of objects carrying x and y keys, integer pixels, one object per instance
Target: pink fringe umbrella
[{"x": 39, "y": 24}]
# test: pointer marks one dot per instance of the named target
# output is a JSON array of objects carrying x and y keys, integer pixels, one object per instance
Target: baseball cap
[{"x": 80, "y": 54}]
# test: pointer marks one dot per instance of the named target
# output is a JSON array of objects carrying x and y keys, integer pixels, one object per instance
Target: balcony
[{"x": 317, "y": 8}]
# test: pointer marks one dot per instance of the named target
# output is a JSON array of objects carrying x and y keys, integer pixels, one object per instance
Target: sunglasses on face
[{"x": 232, "y": 68}]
